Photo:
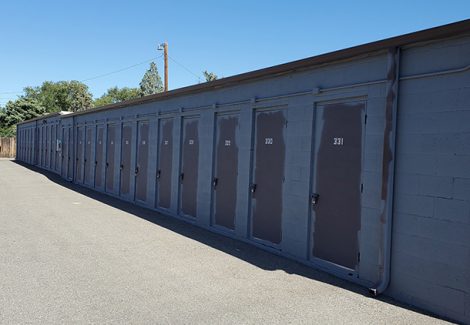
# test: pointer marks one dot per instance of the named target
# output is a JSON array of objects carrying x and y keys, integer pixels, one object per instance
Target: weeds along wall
[{"x": 303, "y": 164}]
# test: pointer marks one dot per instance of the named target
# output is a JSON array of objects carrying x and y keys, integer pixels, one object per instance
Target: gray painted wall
[
  {"x": 431, "y": 237},
  {"x": 431, "y": 242}
]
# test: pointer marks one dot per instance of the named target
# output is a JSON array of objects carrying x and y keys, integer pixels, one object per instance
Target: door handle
[
  {"x": 215, "y": 181},
  {"x": 96, "y": 162},
  {"x": 314, "y": 199},
  {"x": 136, "y": 170},
  {"x": 107, "y": 164},
  {"x": 253, "y": 188},
  {"x": 159, "y": 173},
  {"x": 121, "y": 167},
  {"x": 181, "y": 177}
]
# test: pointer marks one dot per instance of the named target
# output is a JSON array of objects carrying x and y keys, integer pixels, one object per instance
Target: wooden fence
[{"x": 7, "y": 147}]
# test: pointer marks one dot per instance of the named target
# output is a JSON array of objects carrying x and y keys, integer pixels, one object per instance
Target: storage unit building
[{"x": 356, "y": 162}]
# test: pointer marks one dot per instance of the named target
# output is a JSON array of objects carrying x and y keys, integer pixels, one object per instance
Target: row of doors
[
  {"x": 47, "y": 153},
  {"x": 336, "y": 186}
]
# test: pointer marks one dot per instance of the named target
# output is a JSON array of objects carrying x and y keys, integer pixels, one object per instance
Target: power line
[
  {"x": 120, "y": 70},
  {"x": 98, "y": 76},
  {"x": 185, "y": 68}
]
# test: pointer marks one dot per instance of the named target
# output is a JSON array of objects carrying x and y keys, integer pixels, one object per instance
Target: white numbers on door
[
  {"x": 338, "y": 141},
  {"x": 268, "y": 140},
  {"x": 228, "y": 143}
]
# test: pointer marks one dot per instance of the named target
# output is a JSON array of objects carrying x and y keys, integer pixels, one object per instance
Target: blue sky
[{"x": 77, "y": 40}]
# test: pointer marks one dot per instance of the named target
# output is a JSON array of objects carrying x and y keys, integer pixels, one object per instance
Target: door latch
[
  {"x": 121, "y": 167},
  {"x": 136, "y": 171},
  {"x": 314, "y": 198},
  {"x": 181, "y": 177},
  {"x": 253, "y": 188},
  {"x": 159, "y": 173},
  {"x": 215, "y": 180}
]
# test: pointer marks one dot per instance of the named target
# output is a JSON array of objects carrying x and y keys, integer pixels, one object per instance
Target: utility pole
[
  {"x": 164, "y": 47},
  {"x": 165, "y": 55}
]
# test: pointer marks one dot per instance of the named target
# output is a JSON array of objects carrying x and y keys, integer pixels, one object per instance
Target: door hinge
[
  {"x": 365, "y": 119},
  {"x": 362, "y": 188},
  {"x": 358, "y": 257}
]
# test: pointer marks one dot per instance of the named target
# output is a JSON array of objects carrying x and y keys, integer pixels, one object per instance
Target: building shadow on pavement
[{"x": 236, "y": 248}]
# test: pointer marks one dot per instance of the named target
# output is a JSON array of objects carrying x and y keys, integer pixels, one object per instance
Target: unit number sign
[
  {"x": 268, "y": 140},
  {"x": 338, "y": 141}
]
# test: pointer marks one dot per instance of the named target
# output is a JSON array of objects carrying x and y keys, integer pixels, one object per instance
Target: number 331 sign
[{"x": 338, "y": 141}]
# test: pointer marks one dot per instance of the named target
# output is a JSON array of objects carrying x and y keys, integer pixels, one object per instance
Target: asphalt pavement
[{"x": 71, "y": 255}]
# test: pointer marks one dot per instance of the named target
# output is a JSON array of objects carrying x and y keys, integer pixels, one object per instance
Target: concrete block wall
[{"x": 431, "y": 231}]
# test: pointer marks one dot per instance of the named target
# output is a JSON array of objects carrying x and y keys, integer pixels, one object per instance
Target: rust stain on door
[{"x": 338, "y": 168}]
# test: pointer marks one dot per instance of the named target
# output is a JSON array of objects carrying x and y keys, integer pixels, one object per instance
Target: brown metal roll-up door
[
  {"x": 141, "y": 170},
  {"x": 165, "y": 163},
  {"x": 268, "y": 174},
  {"x": 337, "y": 182},
  {"x": 99, "y": 163},
  {"x": 79, "y": 157},
  {"x": 110, "y": 155},
  {"x": 126, "y": 147},
  {"x": 189, "y": 167},
  {"x": 88, "y": 162},
  {"x": 224, "y": 183}
]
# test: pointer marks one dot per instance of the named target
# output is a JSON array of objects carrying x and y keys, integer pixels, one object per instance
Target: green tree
[
  {"x": 17, "y": 111},
  {"x": 58, "y": 96},
  {"x": 151, "y": 82},
  {"x": 116, "y": 95},
  {"x": 210, "y": 76}
]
